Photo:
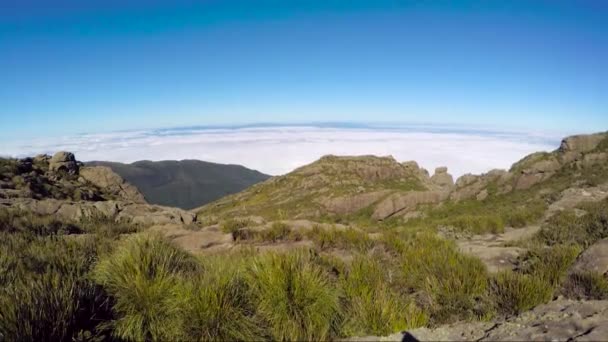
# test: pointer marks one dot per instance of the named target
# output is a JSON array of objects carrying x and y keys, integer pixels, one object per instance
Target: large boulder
[
  {"x": 104, "y": 178},
  {"x": 582, "y": 143},
  {"x": 344, "y": 205},
  {"x": 442, "y": 178},
  {"x": 64, "y": 161},
  {"x": 594, "y": 259},
  {"x": 403, "y": 203},
  {"x": 471, "y": 186}
]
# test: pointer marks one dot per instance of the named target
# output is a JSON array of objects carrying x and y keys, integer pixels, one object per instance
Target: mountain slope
[
  {"x": 185, "y": 184},
  {"x": 333, "y": 187}
]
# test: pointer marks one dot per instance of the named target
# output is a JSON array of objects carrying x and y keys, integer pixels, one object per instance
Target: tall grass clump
[
  {"x": 232, "y": 226},
  {"x": 294, "y": 297},
  {"x": 340, "y": 238},
  {"x": 141, "y": 277},
  {"x": 45, "y": 293},
  {"x": 550, "y": 263},
  {"x": 373, "y": 308},
  {"x": 586, "y": 285},
  {"x": 514, "y": 292},
  {"x": 454, "y": 283},
  {"x": 217, "y": 305}
]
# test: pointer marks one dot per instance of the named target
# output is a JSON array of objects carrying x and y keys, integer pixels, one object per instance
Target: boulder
[
  {"x": 405, "y": 202},
  {"x": 344, "y": 205},
  {"x": 104, "y": 178},
  {"x": 466, "y": 179},
  {"x": 582, "y": 143},
  {"x": 64, "y": 161},
  {"x": 442, "y": 178},
  {"x": 594, "y": 259}
]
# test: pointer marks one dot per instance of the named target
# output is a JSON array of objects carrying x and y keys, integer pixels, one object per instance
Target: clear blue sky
[{"x": 90, "y": 66}]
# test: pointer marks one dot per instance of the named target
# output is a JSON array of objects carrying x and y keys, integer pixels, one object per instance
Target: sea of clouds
[{"x": 277, "y": 150}]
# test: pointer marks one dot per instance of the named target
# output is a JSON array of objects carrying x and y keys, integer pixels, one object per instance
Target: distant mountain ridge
[{"x": 184, "y": 184}]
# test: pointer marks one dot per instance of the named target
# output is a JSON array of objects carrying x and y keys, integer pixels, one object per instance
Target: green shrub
[
  {"x": 232, "y": 225},
  {"x": 340, "y": 238},
  {"x": 141, "y": 276},
  {"x": 550, "y": 263},
  {"x": 586, "y": 285},
  {"x": 217, "y": 305},
  {"x": 375, "y": 309},
  {"x": 455, "y": 283},
  {"x": 514, "y": 293},
  {"x": 477, "y": 224},
  {"x": 294, "y": 297},
  {"x": 277, "y": 232},
  {"x": 567, "y": 228},
  {"x": 45, "y": 293}
]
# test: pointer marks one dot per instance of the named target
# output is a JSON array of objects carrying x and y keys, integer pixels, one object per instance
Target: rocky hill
[
  {"x": 184, "y": 184},
  {"x": 337, "y": 186},
  {"x": 65, "y": 188}
]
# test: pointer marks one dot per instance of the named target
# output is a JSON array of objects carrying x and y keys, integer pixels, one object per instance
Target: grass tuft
[
  {"x": 515, "y": 293},
  {"x": 294, "y": 297}
]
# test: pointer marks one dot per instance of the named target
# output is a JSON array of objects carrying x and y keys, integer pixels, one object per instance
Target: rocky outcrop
[
  {"x": 594, "y": 259},
  {"x": 442, "y": 179},
  {"x": 581, "y": 143},
  {"x": 402, "y": 203},
  {"x": 106, "y": 179},
  {"x": 64, "y": 161},
  {"x": 471, "y": 186},
  {"x": 70, "y": 211},
  {"x": 344, "y": 205},
  {"x": 572, "y": 197}
]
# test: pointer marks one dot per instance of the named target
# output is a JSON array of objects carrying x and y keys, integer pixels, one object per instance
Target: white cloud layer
[{"x": 277, "y": 150}]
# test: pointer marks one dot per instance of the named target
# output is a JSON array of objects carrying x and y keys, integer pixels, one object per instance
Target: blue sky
[{"x": 94, "y": 66}]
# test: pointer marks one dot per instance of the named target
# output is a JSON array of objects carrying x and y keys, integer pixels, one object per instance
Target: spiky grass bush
[
  {"x": 586, "y": 285},
  {"x": 340, "y": 238},
  {"x": 231, "y": 226},
  {"x": 372, "y": 307},
  {"x": 294, "y": 296},
  {"x": 550, "y": 263},
  {"x": 141, "y": 276},
  {"x": 217, "y": 304},
  {"x": 455, "y": 283},
  {"x": 44, "y": 290},
  {"x": 514, "y": 293}
]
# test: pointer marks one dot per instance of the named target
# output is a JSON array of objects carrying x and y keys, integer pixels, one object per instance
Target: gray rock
[
  {"x": 403, "y": 203},
  {"x": 63, "y": 161},
  {"x": 104, "y": 178},
  {"x": 442, "y": 178},
  {"x": 594, "y": 259}
]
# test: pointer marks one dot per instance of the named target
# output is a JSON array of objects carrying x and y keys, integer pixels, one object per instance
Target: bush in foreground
[
  {"x": 514, "y": 292},
  {"x": 372, "y": 306},
  {"x": 294, "y": 297},
  {"x": 141, "y": 277},
  {"x": 455, "y": 283}
]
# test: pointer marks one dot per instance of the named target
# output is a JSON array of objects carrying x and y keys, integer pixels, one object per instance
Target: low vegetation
[
  {"x": 584, "y": 229},
  {"x": 515, "y": 292}
]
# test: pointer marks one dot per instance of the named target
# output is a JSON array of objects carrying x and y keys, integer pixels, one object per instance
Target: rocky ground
[{"x": 560, "y": 320}]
